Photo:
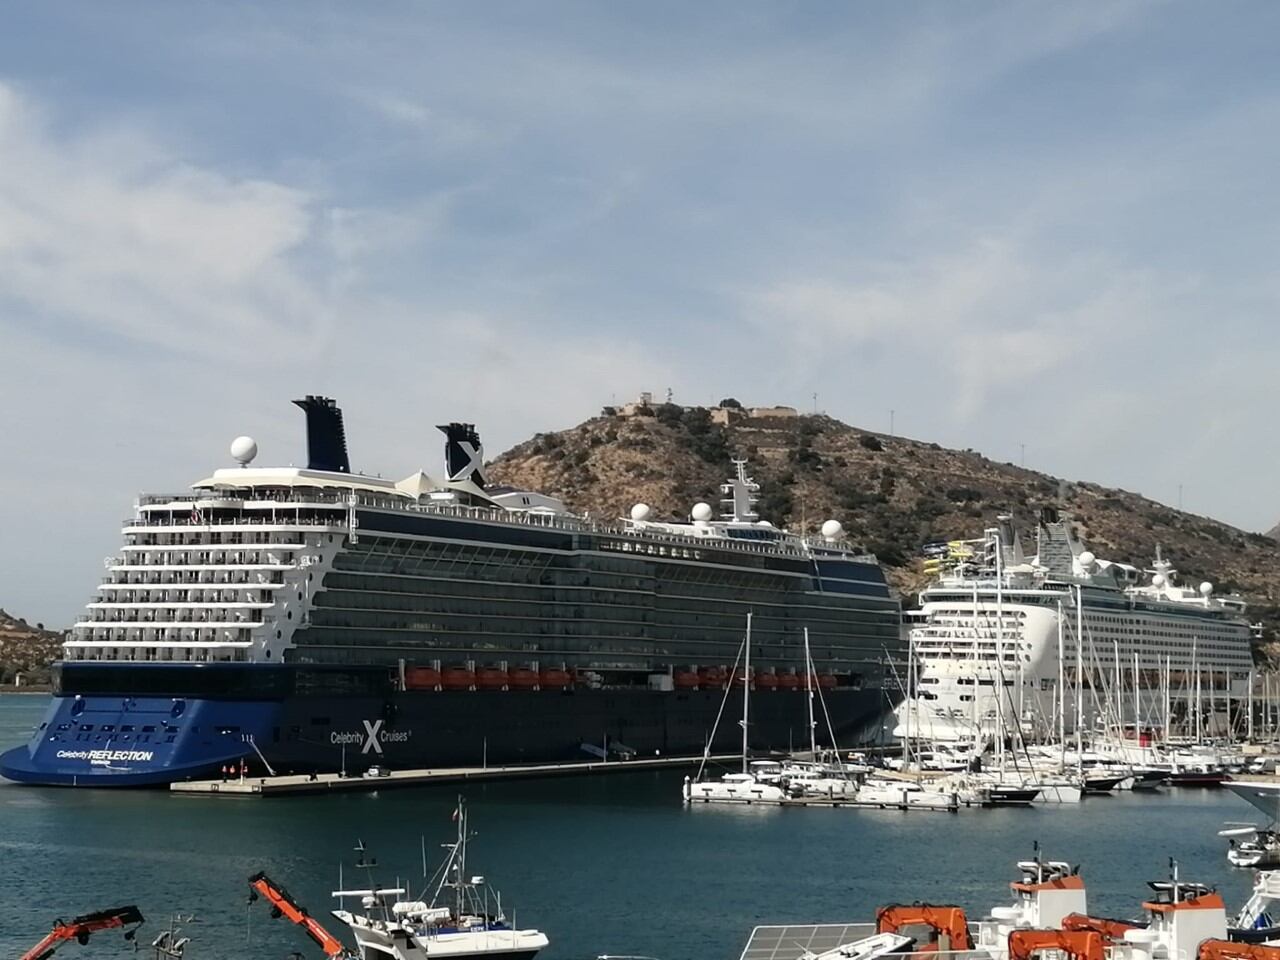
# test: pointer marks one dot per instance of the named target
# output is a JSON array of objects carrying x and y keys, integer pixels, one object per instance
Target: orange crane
[
  {"x": 80, "y": 928},
  {"x": 946, "y": 921},
  {"x": 1111, "y": 929},
  {"x": 1231, "y": 950},
  {"x": 283, "y": 905},
  {"x": 1076, "y": 944}
]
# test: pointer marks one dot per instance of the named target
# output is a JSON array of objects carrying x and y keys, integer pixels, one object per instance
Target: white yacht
[{"x": 1006, "y": 641}]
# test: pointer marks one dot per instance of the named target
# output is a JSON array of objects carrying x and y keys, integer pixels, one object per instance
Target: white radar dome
[
  {"x": 701, "y": 511},
  {"x": 640, "y": 511},
  {"x": 1158, "y": 580},
  {"x": 1206, "y": 588},
  {"x": 1086, "y": 559},
  {"x": 244, "y": 449},
  {"x": 832, "y": 529}
]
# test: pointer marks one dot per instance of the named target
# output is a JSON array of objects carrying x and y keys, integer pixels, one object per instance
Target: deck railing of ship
[{"x": 549, "y": 521}]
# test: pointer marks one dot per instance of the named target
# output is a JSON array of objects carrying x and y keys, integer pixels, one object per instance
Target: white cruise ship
[{"x": 1151, "y": 652}]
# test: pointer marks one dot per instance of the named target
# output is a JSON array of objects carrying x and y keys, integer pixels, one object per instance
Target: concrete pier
[{"x": 333, "y": 782}]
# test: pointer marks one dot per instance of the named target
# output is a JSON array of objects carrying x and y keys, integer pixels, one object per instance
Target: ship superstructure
[
  {"x": 305, "y": 617},
  {"x": 1005, "y": 640}
]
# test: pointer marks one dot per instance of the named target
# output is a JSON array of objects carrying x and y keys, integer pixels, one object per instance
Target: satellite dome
[
  {"x": 244, "y": 449},
  {"x": 1206, "y": 588},
  {"x": 1086, "y": 559},
  {"x": 1158, "y": 580},
  {"x": 701, "y": 511},
  {"x": 832, "y": 529},
  {"x": 640, "y": 512}
]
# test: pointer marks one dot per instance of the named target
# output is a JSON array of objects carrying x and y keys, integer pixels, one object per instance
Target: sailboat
[
  {"x": 813, "y": 777},
  {"x": 743, "y": 787},
  {"x": 463, "y": 918}
]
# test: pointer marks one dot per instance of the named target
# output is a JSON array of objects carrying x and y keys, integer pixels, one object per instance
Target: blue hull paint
[{"x": 137, "y": 741}]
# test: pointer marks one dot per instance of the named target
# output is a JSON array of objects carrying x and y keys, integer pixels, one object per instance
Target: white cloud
[
  {"x": 112, "y": 234},
  {"x": 992, "y": 316},
  {"x": 155, "y": 307}
]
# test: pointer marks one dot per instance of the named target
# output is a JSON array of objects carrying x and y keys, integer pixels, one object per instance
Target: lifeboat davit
[
  {"x": 788, "y": 681},
  {"x": 766, "y": 681},
  {"x": 491, "y": 678},
  {"x": 554, "y": 679},
  {"x": 457, "y": 678},
  {"x": 421, "y": 678},
  {"x": 522, "y": 678},
  {"x": 685, "y": 680}
]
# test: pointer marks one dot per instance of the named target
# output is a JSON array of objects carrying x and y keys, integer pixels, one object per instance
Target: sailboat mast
[
  {"x": 1062, "y": 692},
  {"x": 1079, "y": 636},
  {"x": 999, "y": 684},
  {"x": 808, "y": 686},
  {"x": 746, "y": 692}
]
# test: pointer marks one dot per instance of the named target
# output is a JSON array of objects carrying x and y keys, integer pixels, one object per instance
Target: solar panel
[
  {"x": 790, "y": 942},
  {"x": 794, "y": 941}
]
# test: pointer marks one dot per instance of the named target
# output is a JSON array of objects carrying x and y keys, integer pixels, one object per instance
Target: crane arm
[
  {"x": 948, "y": 921},
  {"x": 80, "y": 928},
  {"x": 1076, "y": 944},
  {"x": 1112, "y": 929},
  {"x": 1230, "y": 950},
  {"x": 283, "y": 905}
]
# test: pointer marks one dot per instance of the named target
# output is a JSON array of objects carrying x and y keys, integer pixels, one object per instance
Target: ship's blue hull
[{"x": 130, "y": 745}]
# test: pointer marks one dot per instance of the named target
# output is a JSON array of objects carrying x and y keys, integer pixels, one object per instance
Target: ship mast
[{"x": 746, "y": 692}]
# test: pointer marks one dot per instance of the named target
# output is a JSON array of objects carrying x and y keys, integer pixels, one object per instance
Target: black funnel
[
  {"x": 463, "y": 454},
  {"x": 326, "y": 438}
]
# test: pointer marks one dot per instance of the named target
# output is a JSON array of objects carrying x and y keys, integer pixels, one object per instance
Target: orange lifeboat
[
  {"x": 421, "y": 678},
  {"x": 827, "y": 681},
  {"x": 491, "y": 678},
  {"x": 554, "y": 679},
  {"x": 457, "y": 678},
  {"x": 522, "y": 678},
  {"x": 685, "y": 680},
  {"x": 709, "y": 678},
  {"x": 766, "y": 681},
  {"x": 788, "y": 681}
]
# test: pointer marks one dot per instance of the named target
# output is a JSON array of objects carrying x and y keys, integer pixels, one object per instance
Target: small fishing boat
[{"x": 463, "y": 917}]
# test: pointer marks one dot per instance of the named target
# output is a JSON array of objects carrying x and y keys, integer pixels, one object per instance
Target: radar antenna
[{"x": 741, "y": 496}]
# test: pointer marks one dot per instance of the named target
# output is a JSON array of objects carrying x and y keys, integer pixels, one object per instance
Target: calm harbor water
[{"x": 603, "y": 865}]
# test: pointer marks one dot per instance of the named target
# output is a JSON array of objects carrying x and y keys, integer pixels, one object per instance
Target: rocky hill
[
  {"x": 892, "y": 494},
  {"x": 26, "y": 650}
]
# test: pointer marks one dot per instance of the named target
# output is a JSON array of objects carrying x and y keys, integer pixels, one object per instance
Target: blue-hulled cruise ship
[{"x": 295, "y": 619}]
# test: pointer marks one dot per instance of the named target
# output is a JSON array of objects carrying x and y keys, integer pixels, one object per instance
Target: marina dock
[{"x": 290, "y": 784}]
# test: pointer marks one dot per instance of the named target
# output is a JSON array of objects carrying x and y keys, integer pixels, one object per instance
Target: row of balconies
[
  {"x": 224, "y": 614},
  {"x": 209, "y": 558},
  {"x": 212, "y": 577},
  {"x": 281, "y": 541},
  {"x": 219, "y": 633},
  {"x": 149, "y": 594}
]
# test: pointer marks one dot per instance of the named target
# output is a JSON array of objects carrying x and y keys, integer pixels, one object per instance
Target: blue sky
[{"x": 1050, "y": 224}]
